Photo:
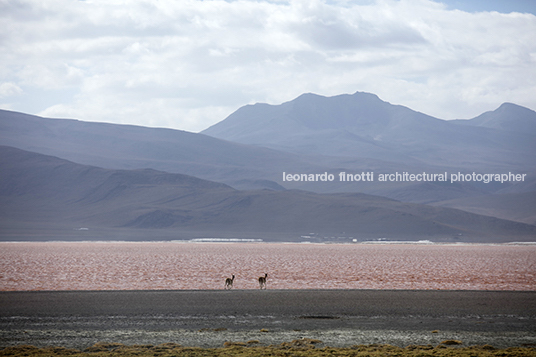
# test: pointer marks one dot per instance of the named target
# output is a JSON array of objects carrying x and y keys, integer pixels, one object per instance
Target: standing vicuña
[
  {"x": 229, "y": 283},
  {"x": 262, "y": 281}
]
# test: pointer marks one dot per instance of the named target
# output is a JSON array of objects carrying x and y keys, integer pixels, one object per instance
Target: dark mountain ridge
[{"x": 43, "y": 196}]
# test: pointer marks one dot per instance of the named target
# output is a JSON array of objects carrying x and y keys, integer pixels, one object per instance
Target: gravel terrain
[{"x": 208, "y": 318}]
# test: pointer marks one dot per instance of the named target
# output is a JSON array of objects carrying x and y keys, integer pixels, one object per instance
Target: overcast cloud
[{"x": 188, "y": 64}]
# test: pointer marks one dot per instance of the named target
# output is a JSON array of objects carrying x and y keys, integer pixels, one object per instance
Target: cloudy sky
[{"x": 187, "y": 64}]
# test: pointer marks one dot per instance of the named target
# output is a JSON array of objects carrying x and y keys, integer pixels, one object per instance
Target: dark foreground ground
[{"x": 338, "y": 318}]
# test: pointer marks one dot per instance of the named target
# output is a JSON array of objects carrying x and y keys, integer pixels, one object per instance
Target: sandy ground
[{"x": 339, "y": 318}]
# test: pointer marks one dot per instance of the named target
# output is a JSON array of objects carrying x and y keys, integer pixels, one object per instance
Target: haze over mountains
[
  {"x": 253, "y": 147},
  {"x": 134, "y": 147},
  {"x": 363, "y": 126},
  {"x": 377, "y": 136},
  {"x": 43, "y": 196}
]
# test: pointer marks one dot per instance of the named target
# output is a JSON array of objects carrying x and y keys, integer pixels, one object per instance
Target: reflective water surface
[{"x": 171, "y": 265}]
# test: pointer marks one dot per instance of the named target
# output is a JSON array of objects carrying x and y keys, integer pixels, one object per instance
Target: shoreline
[
  {"x": 209, "y": 318},
  {"x": 262, "y": 241}
]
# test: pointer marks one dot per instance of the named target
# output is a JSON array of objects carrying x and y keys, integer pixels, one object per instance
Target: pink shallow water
[{"x": 163, "y": 265}]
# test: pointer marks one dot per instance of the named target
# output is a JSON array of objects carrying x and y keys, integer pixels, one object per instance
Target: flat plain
[{"x": 212, "y": 318}]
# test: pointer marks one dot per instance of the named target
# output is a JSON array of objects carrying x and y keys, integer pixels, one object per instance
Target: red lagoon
[{"x": 172, "y": 265}]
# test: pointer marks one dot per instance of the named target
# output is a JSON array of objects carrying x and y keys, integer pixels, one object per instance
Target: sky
[{"x": 188, "y": 64}]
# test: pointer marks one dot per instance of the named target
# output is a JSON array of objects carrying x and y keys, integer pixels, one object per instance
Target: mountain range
[
  {"x": 246, "y": 154},
  {"x": 43, "y": 196},
  {"x": 363, "y": 126}
]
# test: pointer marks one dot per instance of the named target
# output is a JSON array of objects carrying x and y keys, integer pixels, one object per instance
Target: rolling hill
[
  {"x": 135, "y": 147},
  {"x": 512, "y": 206}
]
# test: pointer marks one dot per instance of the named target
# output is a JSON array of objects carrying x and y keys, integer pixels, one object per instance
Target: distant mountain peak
[
  {"x": 309, "y": 95},
  {"x": 508, "y": 116},
  {"x": 363, "y": 125},
  {"x": 366, "y": 94},
  {"x": 361, "y": 114},
  {"x": 361, "y": 96},
  {"x": 507, "y": 106}
]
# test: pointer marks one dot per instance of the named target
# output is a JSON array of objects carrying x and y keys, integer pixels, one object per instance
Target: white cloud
[
  {"x": 8, "y": 89},
  {"x": 188, "y": 64}
]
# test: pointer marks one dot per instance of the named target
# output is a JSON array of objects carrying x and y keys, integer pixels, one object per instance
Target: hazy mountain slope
[
  {"x": 39, "y": 191},
  {"x": 508, "y": 117},
  {"x": 43, "y": 197},
  {"x": 519, "y": 207},
  {"x": 129, "y": 147},
  {"x": 350, "y": 133},
  {"x": 362, "y": 125}
]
